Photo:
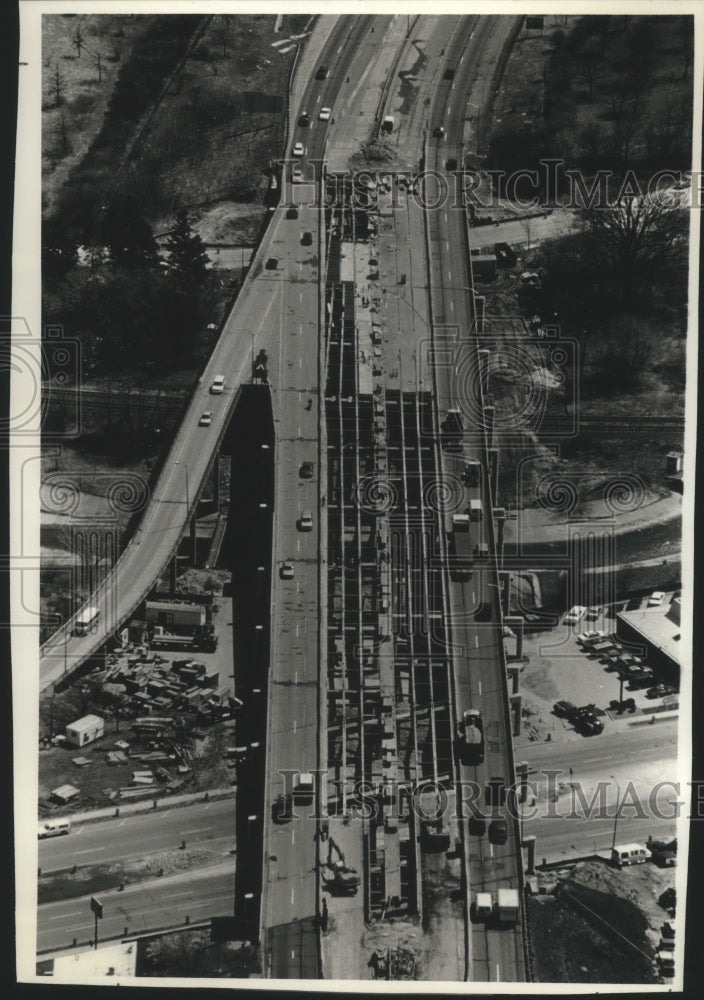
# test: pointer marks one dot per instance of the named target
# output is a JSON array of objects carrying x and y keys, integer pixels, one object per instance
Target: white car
[
  {"x": 575, "y": 615},
  {"x": 656, "y": 598},
  {"x": 286, "y": 571},
  {"x": 587, "y": 637},
  {"x": 324, "y": 115},
  {"x": 206, "y": 419},
  {"x": 218, "y": 385},
  {"x": 297, "y": 176},
  {"x": 299, "y": 149},
  {"x": 306, "y": 521}
]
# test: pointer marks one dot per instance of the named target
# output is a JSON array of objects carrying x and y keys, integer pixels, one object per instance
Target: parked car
[
  {"x": 656, "y": 599},
  {"x": 592, "y": 614},
  {"x": 575, "y": 615},
  {"x": 206, "y": 419},
  {"x": 584, "y": 638},
  {"x": 563, "y": 709},
  {"x": 660, "y": 691}
]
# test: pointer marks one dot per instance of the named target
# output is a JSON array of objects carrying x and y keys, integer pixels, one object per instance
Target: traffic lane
[
  {"x": 610, "y": 752},
  {"x": 163, "y": 902},
  {"x": 164, "y": 519},
  {"x": 136, "y": 835},
  {"x": 557, "y": 838}
]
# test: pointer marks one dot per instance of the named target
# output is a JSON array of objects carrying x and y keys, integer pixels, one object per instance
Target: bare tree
[
  {"x": 78, "y": 40},
  {"x": 99, "y": 66},
  {"x": 57, "y": 86}
]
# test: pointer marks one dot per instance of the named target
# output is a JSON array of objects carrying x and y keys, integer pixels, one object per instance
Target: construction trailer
[{"x": 85, "y": 730}]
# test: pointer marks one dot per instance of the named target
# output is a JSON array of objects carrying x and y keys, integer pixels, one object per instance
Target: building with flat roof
[{"x": 657, "y": 632}]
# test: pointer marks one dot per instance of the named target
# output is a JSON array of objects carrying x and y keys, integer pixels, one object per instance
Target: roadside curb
[{"x": 149, "y": 805}]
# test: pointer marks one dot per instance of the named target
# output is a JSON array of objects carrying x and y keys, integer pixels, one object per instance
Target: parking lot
[{"x": 561, "y": 668}]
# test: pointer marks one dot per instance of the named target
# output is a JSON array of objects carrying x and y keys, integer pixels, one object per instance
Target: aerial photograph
[{"x": 364, "y": 494}]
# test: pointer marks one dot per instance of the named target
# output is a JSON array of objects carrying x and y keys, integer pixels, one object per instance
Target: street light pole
[
  {"x": 252, "y": 337},
  {"x": 618, "y": 806}
]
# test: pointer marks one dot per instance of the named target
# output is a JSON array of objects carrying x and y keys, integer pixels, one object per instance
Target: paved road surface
[
  {"x": 164, "y": 902},
  {"x": 210, "y": 824}
]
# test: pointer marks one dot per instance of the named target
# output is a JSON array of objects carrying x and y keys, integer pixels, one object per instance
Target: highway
[
  {"x": 171, "y": 901},
  {"x": 210, "y": 824},
  {"x": 494, "y": 955}
]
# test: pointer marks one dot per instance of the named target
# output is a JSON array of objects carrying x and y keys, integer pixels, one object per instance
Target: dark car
[
  {"x": 498, "y": 831},
  {"x": 439, "y": 132},
  {"x": 282, "y": 810},
  {"x": 307, "y": 470},
  {"x": 449, "y": 74},
  {"x": 292, "y": 212},
  {"x": 563, "y": 709},
  {"x": 476, "y": 825},
  {"x": 323, "y": 73},
  {"x": 306, "y": 239},
  {"x": 304, "y": 120},
  {"x": 495, "y": 792},
  {"x": 451, "y": 164},
  {"x": 272, "y": 263}
]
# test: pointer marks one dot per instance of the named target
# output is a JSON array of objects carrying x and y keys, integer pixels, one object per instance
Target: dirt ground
[{"x": 598, "y": 924}]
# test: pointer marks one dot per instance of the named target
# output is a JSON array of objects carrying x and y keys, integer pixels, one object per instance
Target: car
[
  {"x": 592, "y": 614},
  {"x": 305, "y": 522},
  {"x": 575, "y": 615},
  {"x": 306, "y": 239},
  {"x": 656, "y": 599},
  {"x": 439, "y": 132},
  {"x": 660, "y": 691},
  {"x": 451, "y": 163},
  {"x": 509, "y": 633},
  {"x": 297, "y": 176},
  {"x": 495, "y": 792},
  {"x": 307, "y": 470},
  {"x": 585, "y": 638},
  {"x": 206, "y": 419},
  {"x": 470, "y": 734},
  {"x": 563, "y": 709},
  {"x": 498, "y": 831},
  {"x": 323, "y": 73},
  {"x": 299, "y": 149},
  {"x": 218, "y": 385},
  {"x": 286, "y": 572},
  {"x": 292, "y": 212},
  {"x": 324, "y": 114},
  {"x": 272, "y": 263},
  {"x": 304, "y": 119},
  {"x": 449, "y": 74},
  {"x": 476, "y": 825},
  {"x": 282, "y": 809}
]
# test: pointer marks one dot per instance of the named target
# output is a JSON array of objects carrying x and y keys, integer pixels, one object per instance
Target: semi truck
[
  {"x": 475, "y": 510},
  {"x": 200, "y": 640},
  {"x": 506, "y": 909},
  {"x": 461, "y": 565},
  {"x": 304, "y": 789}
]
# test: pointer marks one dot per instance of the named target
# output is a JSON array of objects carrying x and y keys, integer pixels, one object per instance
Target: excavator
[{"x": 343, "y": 881}]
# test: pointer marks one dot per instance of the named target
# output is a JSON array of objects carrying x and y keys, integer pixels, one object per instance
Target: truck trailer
[{"x": 461, "y": 565}]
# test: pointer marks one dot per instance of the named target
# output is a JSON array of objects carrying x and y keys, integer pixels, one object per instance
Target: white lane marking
[
  {"x": 339, "y": 49},
  {"x": 63, "y": 916},
  {"x": 297, "y": 627},
  {"x": 452, "y": 307},
  {"x": 200, "y": 829},
  {"x": 449, "y": 274},
  {"x": 476, "y": 640},
  {"x": 90, "y": 850},
  {"x": 298, "y": 545},
  {"x": 480, "y": 688},
  {"x": 121, "y": 823},
  {"x": 173, "y": 895},
  {"x": 295, "y": 678},
  {"x": 445, "y": 216},
  {"x": 300, "y": 362},
  {"x": 474, "y": 596},
  {"x": 293, "y": 836},
  {"x": 294, "y": 725},
  {"x": 292, "y": 897},
  {"x": 300, "y": 296},
  {"x": 498, "y": 973},
  {"x": 299, "y": 430},
  {"x": 447, "y": 245},
  {"x": 293, "y": 953}
]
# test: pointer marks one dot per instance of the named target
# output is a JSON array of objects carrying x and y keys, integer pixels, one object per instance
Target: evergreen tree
[
  {"x": 188, "y": 260},
  {"x": 128, "y": 235}
]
